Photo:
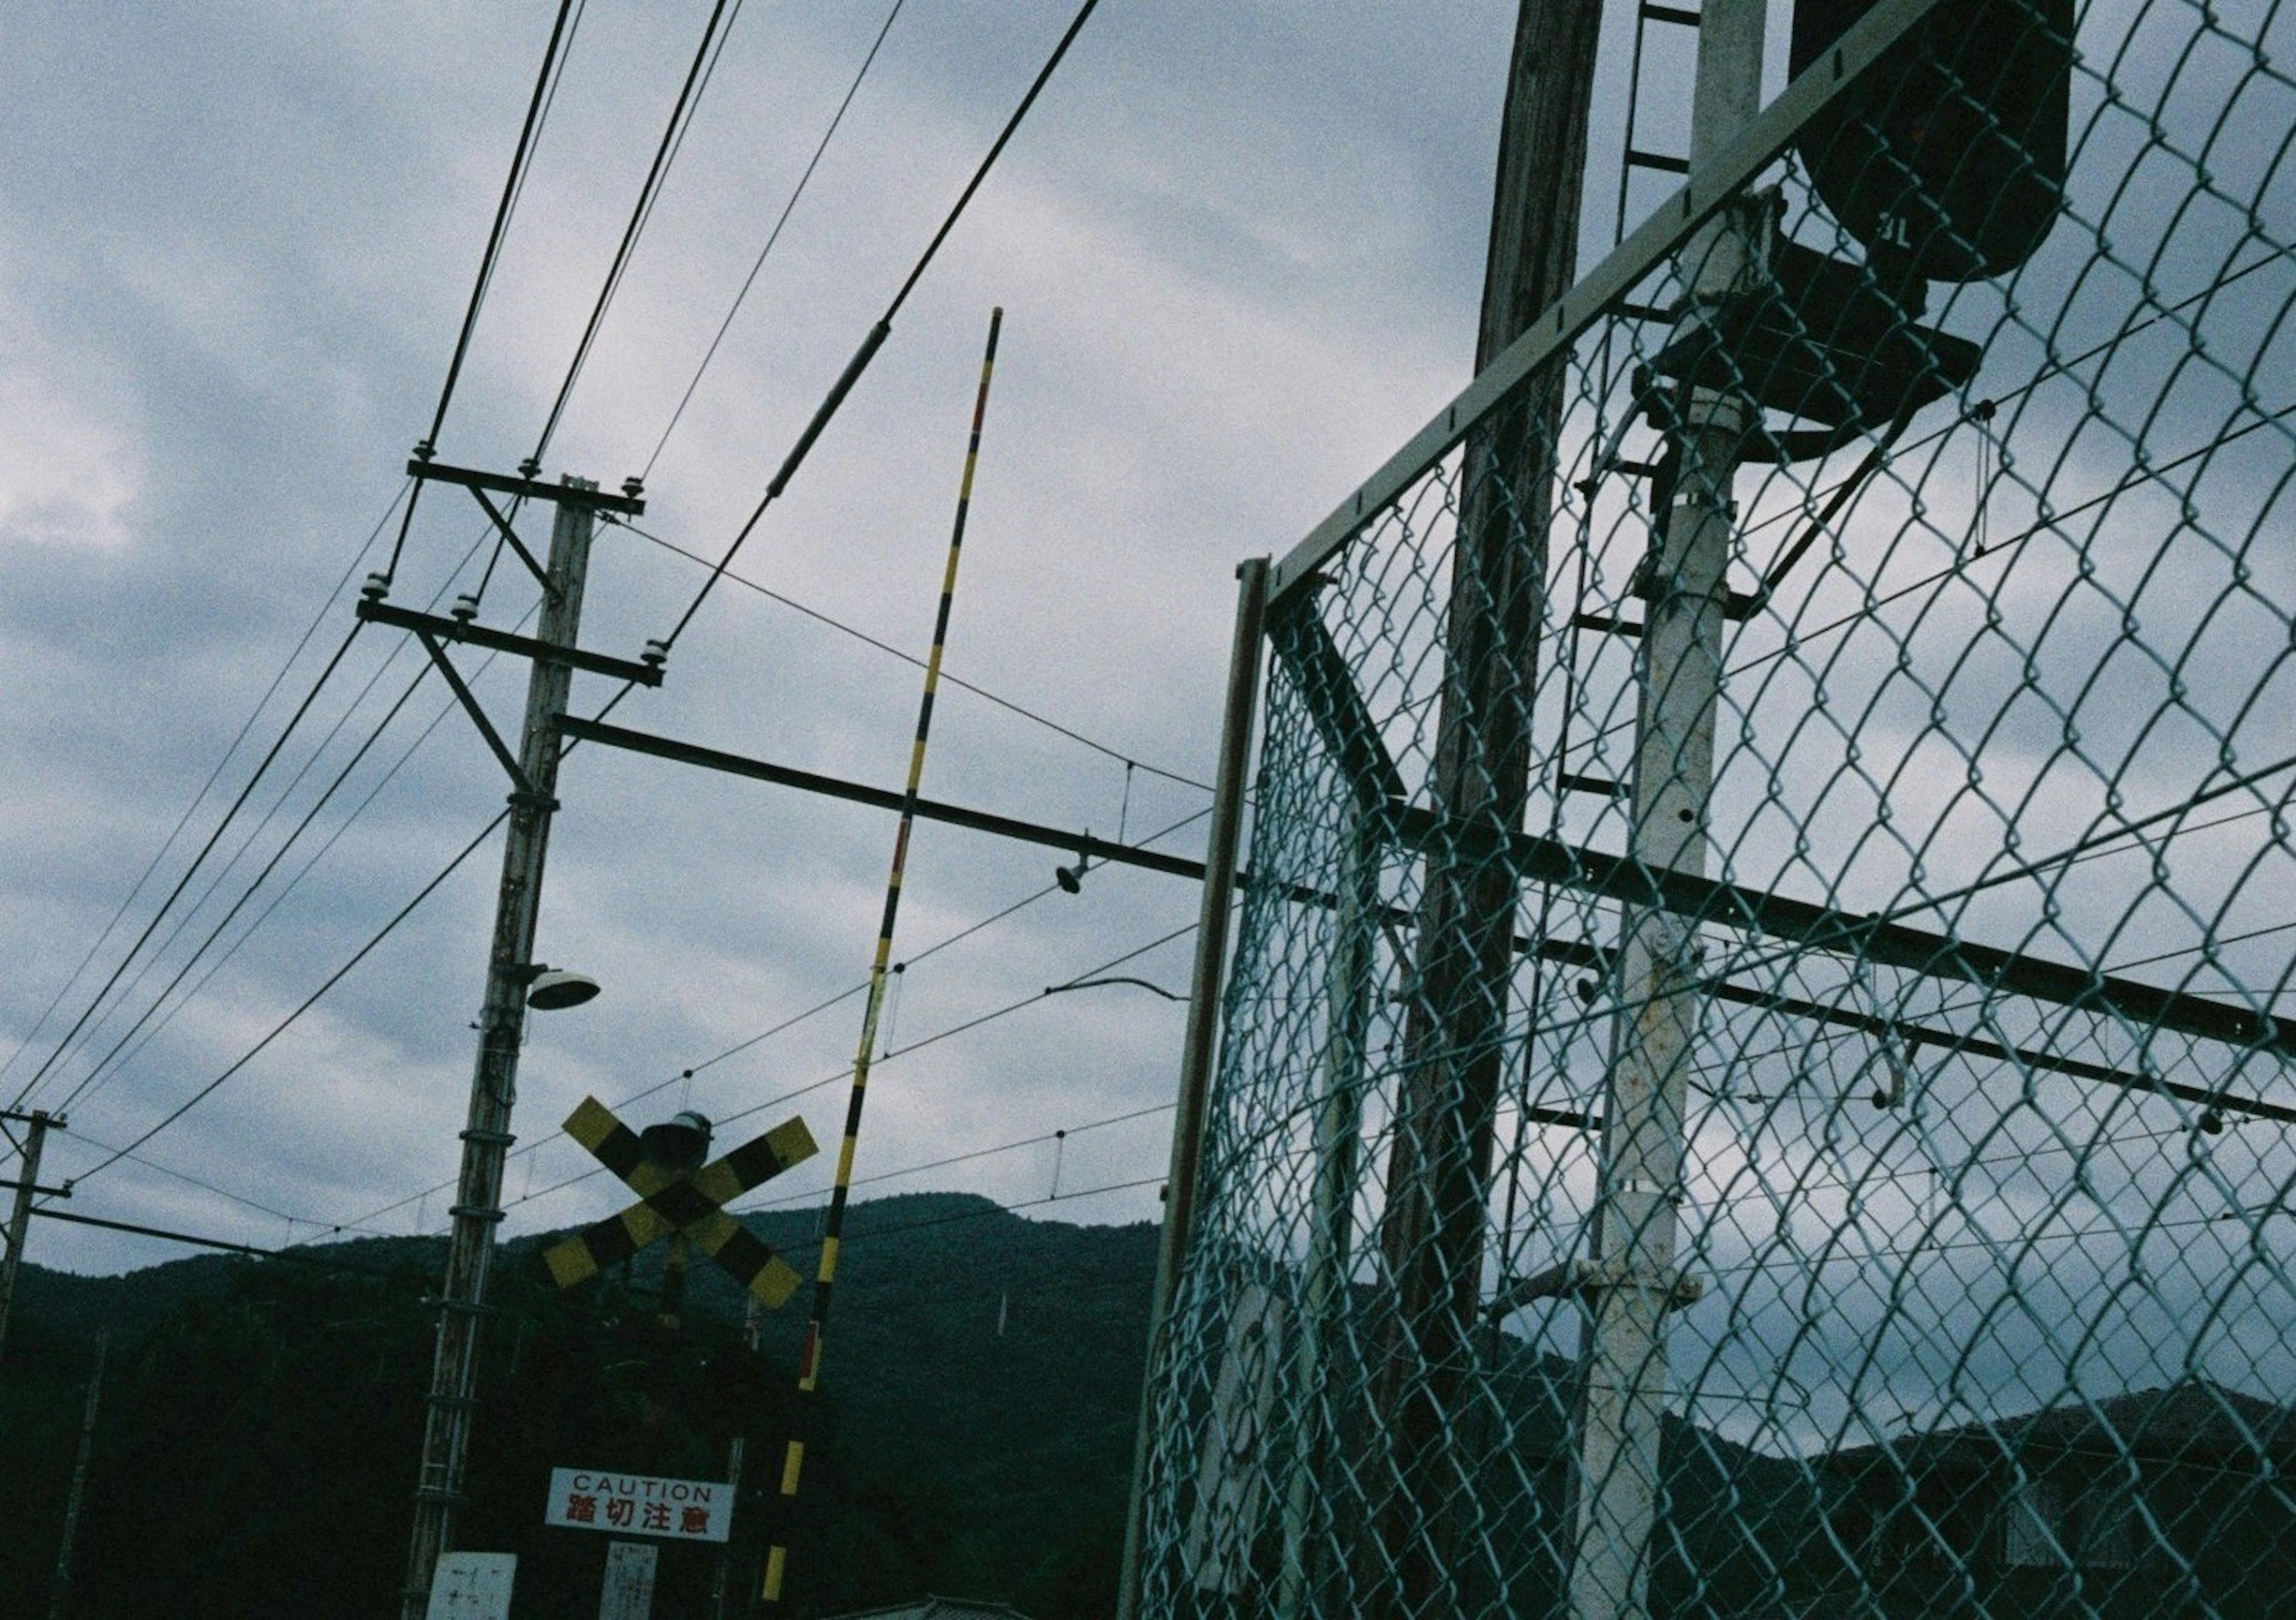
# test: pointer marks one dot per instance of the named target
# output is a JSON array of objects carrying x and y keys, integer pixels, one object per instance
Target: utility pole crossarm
[
  {"x": 644, "y": 672},
  {"x": 570, "y": 497}
]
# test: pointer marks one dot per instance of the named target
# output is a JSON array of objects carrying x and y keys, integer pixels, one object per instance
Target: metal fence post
[{"x": 1221, "y": 845}]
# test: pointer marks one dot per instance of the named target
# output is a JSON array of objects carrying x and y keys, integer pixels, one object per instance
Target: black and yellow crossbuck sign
[{"x": 690, "y": 1203}]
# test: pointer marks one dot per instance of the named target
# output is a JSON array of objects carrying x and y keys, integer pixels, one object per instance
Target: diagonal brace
[
  {"x": 471, "y": 705},
  {"x": 511, "y": 534}
]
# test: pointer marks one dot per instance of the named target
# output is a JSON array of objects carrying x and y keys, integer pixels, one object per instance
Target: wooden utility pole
[
  {"x": 36, "y": 1125},
  {"x": 59, "y": 1594},
  {"x": 486, "y": 1137},
  {"x": 1438, "y": 1169}
]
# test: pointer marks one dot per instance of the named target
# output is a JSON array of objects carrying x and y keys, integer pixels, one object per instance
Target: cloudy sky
[{"x": 1238, "y": 247}]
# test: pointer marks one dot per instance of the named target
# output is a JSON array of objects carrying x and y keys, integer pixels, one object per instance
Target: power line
[
  {"x": 78, "y": 1135},
  {"x": 331, "y": 979},
  {"x": 207, "y": 787},
  {"x": 537, "y": 108},
  {"x": 773, "y": 236},
  {"x": 373, "y": 737},
  {"x": 835, "y": 398},
  {"x": 183, "y": 882},
  {"x": 288, "y": 888},
  {"x": 790, "y": 466},
  {"x": 863, "y": 637},
  {"x": 673, "y": 136},
  {"x": 326, "y": 796},
  {"x": 360, "y": 954}
]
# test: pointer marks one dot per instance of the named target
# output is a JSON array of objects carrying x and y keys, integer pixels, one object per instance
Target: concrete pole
[
  {"x": 1632, "y": 1280},
  {"x": 485, "y": 1140},
  {"x": 19, "y": 1218},
  {"x": 1199, "y": 1043},
  {"x": 59, "y": 1594}
]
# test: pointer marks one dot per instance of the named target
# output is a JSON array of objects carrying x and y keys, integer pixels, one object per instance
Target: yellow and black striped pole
[{"x": 808, "y": 1372}]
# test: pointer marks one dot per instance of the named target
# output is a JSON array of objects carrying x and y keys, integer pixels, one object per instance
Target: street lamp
[{"x": 550, "y": 989}]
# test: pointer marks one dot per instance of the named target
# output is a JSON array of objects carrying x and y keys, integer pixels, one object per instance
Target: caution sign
[
  {"x": 687, "y": 1202},
  {"x": 638, "y": 1504}
]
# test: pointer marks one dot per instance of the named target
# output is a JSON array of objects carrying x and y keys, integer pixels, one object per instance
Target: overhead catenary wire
[
  {"x": 947, "y": 1032},
  {"x": 972, "y": 1156},
  {"x": 189, "y": 1180},
  {"x": 1128, "y": 761},
  {"x": 835, "y": 1000}
]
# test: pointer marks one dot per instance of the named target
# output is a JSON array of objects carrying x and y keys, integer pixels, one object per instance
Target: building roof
[{"x": 937, "y": 1608}]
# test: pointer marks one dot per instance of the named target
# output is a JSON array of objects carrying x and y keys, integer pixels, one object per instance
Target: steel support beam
[
  {"x": 1613, "y": 877},
  {"x": 927, "y": 809}
]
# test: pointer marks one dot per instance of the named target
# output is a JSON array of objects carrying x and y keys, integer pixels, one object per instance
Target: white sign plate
[
  {"x": 629, "y": 1592},
  {"x": 637, "y": 1504},
  {"x": 472, "y": 1586}
]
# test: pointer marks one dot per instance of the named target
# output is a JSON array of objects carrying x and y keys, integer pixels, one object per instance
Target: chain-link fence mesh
[{"x": 1750, "y": 1084}]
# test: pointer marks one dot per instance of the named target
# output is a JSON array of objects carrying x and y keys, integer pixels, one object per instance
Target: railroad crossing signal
[{"x": 682, "y": 1202}]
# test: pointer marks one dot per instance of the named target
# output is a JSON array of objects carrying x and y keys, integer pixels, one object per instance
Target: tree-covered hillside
[{"x": 259, "y": 1421}]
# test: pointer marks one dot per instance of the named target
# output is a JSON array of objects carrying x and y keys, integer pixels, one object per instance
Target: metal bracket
[
  {"x": 1577, "y": 1278},
  {"x": 478, "y": 715}
]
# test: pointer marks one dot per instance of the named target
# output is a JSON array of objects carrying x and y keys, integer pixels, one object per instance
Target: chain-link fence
[{"x": 1750, "y": 1082}]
